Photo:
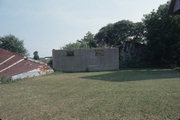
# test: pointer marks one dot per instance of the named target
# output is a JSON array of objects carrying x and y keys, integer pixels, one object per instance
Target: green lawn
[{"x": 123, "y": 95}]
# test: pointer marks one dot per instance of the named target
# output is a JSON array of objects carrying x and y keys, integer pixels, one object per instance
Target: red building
[{"x": 16, "y": 66}]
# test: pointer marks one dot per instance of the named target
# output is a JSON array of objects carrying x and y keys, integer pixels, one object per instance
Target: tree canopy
[
  {"x": 86, "y": 42},
  {"x": 36, "y": 55},
  {"x": 116, "y": 34},
  {"x": 163, "y": 36},
  {"x": 12, "y": 43}
]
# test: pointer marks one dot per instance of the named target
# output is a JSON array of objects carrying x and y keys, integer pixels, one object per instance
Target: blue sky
[{"x": 50, "y": 24}]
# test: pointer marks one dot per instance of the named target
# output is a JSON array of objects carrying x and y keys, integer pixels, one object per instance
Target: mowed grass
[{"x": 121, "y": 95}]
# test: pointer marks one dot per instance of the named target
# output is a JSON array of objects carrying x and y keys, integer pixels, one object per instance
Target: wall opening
[
  {"x": 70, "y": 53},
  {"x": 99, "y": 52}
]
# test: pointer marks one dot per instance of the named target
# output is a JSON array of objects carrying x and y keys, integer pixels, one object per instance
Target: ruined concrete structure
[
  {"x": 131, "y": 51},
  {"x": 86, "y": 60},
  {"x": 16, "y": 66}
]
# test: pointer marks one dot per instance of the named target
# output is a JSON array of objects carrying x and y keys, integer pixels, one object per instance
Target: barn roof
[
  {"x": 174, "y": 7},
  {"x": 13, "y": 64}
]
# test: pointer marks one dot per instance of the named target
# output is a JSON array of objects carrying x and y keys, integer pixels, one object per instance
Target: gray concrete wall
[{"x": 86, "y": 60}]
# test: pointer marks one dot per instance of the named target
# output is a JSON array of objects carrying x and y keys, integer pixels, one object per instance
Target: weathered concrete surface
[
  {"x": 86, "y": 60},
  {"x": 32, "y": 73}
]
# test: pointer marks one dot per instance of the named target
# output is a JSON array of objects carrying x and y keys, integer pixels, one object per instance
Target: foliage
[
  {"x": 76, "y": 45},
  {"x": 139, "y": 33},
  {"x": 87, "y": 42},
  {"x": 50, "y": 63},
  {"x": 36, "y": 56},
  {"x": 163, "y": 35},
  {"x": 11, "y": 43},
  {"x": 116, "y": 34},
  {"x": 5, "y": 80}
]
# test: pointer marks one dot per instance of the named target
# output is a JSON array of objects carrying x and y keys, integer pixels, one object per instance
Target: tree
[
  {"x": 163, "y": 36},
  {"x": 116, "y": 34},
  {"x": 76, "y": 45},
  {"x": 36, "y": 56},
  {"x": 138, "y": 33},
  {"x": 86, "y": 42},
  {"x": 105, "y": 36},
  {"x": 13, "y": 44}
]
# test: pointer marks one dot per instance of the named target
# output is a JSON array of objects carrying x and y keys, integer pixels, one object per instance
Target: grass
[{"x": 123, "y": 95}]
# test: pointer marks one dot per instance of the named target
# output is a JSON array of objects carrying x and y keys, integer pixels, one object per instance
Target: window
[
  {"x": 99, "y": 52},
  {"x": 70, "y": 53}
]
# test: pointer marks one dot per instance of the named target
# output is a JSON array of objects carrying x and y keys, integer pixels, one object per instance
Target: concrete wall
[{"x": 86, "y": 60}]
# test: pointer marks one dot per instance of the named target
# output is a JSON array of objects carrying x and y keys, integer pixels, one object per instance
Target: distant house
[
  {"x": 81, "y": 60},
  {"x": 174, "y": 7},
  {"x": 16, "y": 66}
]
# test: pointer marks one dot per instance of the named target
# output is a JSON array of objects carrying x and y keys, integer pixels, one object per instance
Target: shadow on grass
[{"x": 136, "y": 75}]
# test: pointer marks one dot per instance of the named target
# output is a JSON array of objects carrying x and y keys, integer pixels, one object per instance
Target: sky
[{"x": 44, "y": 25}]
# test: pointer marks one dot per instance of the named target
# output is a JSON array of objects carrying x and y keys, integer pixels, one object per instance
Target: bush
[
  {"x": 50, "y": 63},
  {"x": 5, "y": 80}
]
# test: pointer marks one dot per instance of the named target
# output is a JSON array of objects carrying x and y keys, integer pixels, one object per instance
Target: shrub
[
  {"x": 5, "y": 80},
  {"x": 50, "y": 63}
]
